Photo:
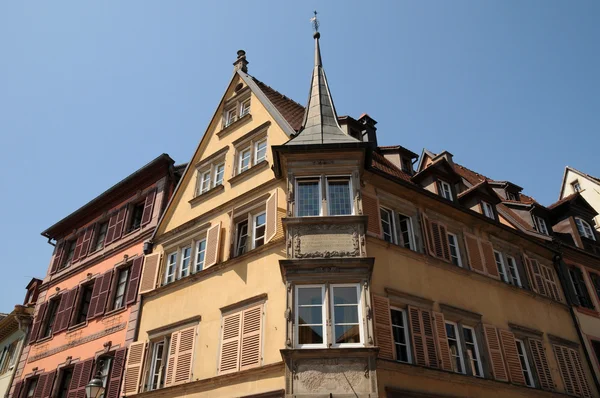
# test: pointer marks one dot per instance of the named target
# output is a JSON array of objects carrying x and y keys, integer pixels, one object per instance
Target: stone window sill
[
  {"x": 208, "y": 194},
  {"x": 248, "y": 173},
  {"x": 226, "y": 130}
]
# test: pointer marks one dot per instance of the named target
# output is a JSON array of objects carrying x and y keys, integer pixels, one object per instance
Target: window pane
[
  {"x": 340, "y": 203},
  {"x": 399, "y": 335},
  {"x": 200, "y": 251},
  {"x": 220, "y": 171},
  {"x": 245, "y": 160},
  {"x": 345, "y": 295},
  {"x": 308, "y": 199},
  {"x": 310, "y": 334},
  {"x": 186, "y": 254},
  {"x": 309, "y": 296},
  {"x": 261, "y": 151},
  {"x": 310, "y": 315},
  {"x": 347, "y": 334},
  {"x": 346, "y": 314}
]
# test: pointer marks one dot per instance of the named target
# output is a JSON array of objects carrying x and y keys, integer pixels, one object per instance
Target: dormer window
[
  {"x": 444, "y": 189},
  {"x": 407, "y": 165},
  {"x": 576, "y": 187},
  {"x": 539, "y": 224},
  {"x": 512, "y": 196},
  {"x": 488, "y": 210},
  {"x": 584, "y": 229}
]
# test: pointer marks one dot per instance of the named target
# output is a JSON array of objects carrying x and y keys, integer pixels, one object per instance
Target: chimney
[
  {"x": 369, "y": 133},
  {"x": 240, "y": 63}
]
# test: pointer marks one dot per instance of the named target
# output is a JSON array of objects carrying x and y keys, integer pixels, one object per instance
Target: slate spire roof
[{"x": 320, "y": 124}]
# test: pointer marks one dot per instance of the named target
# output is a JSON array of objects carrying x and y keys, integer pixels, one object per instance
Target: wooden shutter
[
  {"x": 94, "y": 299},
  {"x": 271, "y": 222},
  {"x": 511, "y": 356},
  {"x": 87, "y": 240},
  {"x": 63, "y": 316},
  {"x": 212, "y": 245},
  {"x": 120, "y": 223},
  {"x": 439, "y": 239},
  {"x": 428, "y": 244},
  {"x": 538, "y": 278},
  {"x": 429, "y": 337},
  {"x": 490, "y": 260},
  {"x": 133, "y": 368},
  {"x": 185, "y": 355},
  {"x": 566, "y": 370},
  {"x": 551, "y": 285},
  {"x": 100, "y": 295},
  {"x": 495, "y": 352},
  {"x": 371, "y": 210},
  {"x": 230, "y": 343},
  {"x": 170, "y": 370},
  {"x": 150, "y": 272},
  {"x": 423, "y": 337},
  {"x": 37, "y": 322},
  {"x": 540, "y": 362},
  {"x": 384, "y": 337},
  {"x": 251, "y": 347},
  {"x": 116, "y": 374},
  {"x": 47, "y": 391},
  {"x": 134, "y": 279},
  {"x": 110, "y": 230},
  {"x": 58, "y": 257},
  {"x": 442, "y": 341},
  {"x": 39, "y": 387},
  {"x": 85, "y": 377},
  {"x": 17, "y": 389},
  {"x": 77, "y": 370},
  {"x": 78, "y": 245},
  {"x": 580, "y": 374},
  {"x": 474, "y": 254},
  {"x": 148, "y": 207}
]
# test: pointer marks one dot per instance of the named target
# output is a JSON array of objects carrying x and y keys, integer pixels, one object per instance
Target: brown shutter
[
  {"x": 511, "y": 356},
  {"x": 414, "y": 316},
  {"x": 170, "y": 370},
  {"x": 230, "y": 343},
  {"x": 120, "y": 223},
  {"x": 78, "y": 245},
  {"x": 87, "y": 240},
  {"x": 39, "y": 387},
  {"x": 490, "y": 261},
  {"x": 148, "y": 207},
  {"x": 371, "y": 209},
  {"x": 271, "y": 222},
  {"x": 212, "y": 245},
  {"x": 110, "y": 230},
  {"x": 76, "y": 375},
  {"x": 580, "y": 374},
  {"x": 495, "y": 352},
  {"x": 551, "y": 285},
  {"x": 47, "y": 391},
  {"x": 185, "y": 355},
  {"x": 133, "y": 368},
  {"x": 150, "y": 272},
  {"x": 540, "y": 362},
  {"x": 134, "y": 279},
  {"x": 428, "y": 244},
  {"x": 442, "y": 341},
  {"x": 84, "y": 377},
  {"x": 63, "y": 316},
  {"x": 116, "y": 374},
  {"x": 440, "y": 240},
  {"x": 37, "y": 322},
  {"x": 429, "y": 337},
  {"x": 251, "y": 347},
  {"x": 99, "y": 295},
  {"x": 538, "y": 279},
  {"x": 94, "y": 299},
  {"x": 566, "y": 370},
  {"x": 444, "y": 242},
  {"x": 528, "y": 271},
  {"x": 17, "y": 389},
  {"x": 58, "y": 257},
  {"x": 475, "y": 257},
  {"x": 384, "y": 337}
]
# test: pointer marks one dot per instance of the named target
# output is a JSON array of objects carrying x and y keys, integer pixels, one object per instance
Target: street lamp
[{"x": 95, "y": 388}]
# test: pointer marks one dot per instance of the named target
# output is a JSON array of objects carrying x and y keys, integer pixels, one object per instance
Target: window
[
  {"x": 260, "y": 151},
  {"x": 576, "y": 187},
  {"x": 346, "y": 315},
  {"x": 31, "y": 385},
  {"x": 70, "y": 250},
  {"x": 584, "y": 229},
  {"x": 400, "y": 332},
  {"x": 205, "y": 182},
  {"x": 104, "y": 363},
  {"x": 210, "y": 176},
  {"x": 488, "y": 210},
  {"x": 387, "y": 224},
  {"x": 8, "y": 357},
  {"x": 539, "y": 225},
  {"x": 186, "y": 258},
  {"x": 454, "y": 344},
  {"x": 512, "y": 196},
  {"x": 472, "y": 351},
  {"x": 500, "y": 266},
  {"x": 310, "y": 316},
  {"x": 219, "y": 172},
  {"x": 122, "y": 281},
  {"x": 230, "y": 116},
  {"x": 454, "y": 250},
  {"x": 50, "y": 317},
  {"x": 524, "y": 363},
  {"x": 171, "y": 267},
  {"x": 156, "y": 377},
  {"x": 100, "y": 236},
  {"x": 84, "y": 303},
  {"x": 406, "y": 235},
  {"x": 65, "y": 382},
  {"x": 135, "y": 221},
  {"x": 200, "y": 254},
  {"x": 338, "y": 196},
  {"x": 242, "y": 238},
  {"x": 244, "y": 160},
  {"x": 245, "y": 108},
  {"x": 308, "y": 198},
  {"x": 258, "y": 236},
  {"x": 579, "y": 287},
  {"x": 406, "y": 165},
  {"x": 444, "y": 189},
  {"x": 514, "y": 278}
]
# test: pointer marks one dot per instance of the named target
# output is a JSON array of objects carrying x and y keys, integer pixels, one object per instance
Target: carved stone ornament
[
  {"x": 319, "y": 236},
  {"x": 322, "y": 376}
]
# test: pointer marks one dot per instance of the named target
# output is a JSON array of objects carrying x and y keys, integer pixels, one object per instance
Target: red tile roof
[
  {"x": 291, "y": 111},
  {"x": 382, "y": 164},
  {"x": 563, "y": 200}
]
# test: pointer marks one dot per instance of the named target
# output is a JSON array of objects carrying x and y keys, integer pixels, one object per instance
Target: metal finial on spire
[{"x": 315, "y": 23}]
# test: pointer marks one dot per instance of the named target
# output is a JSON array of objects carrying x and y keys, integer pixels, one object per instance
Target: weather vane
[{"x": 315, "y": 22}]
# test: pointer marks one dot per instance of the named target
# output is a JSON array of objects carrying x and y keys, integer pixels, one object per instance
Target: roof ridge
[{"x": 275, "y": 90}]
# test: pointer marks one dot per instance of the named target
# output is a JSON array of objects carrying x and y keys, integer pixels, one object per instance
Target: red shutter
[
  {"x": 442, "y": 341},
  {"x": 17, "y": 389},
  {"x": 371, "y": 210},
  {"x": 134, "y": 279},
  {"x": 251, "y": 344},
  {"x": 150, "y": 272},
  {"x": 116, "y": 374},
  {"x": 39, "y": 387},
  {"x": 120, "y": 223},
  {"x": 511, "y": 356},
  {"x": 230, "y": 343},
  {"x": 133, "y": 368},
  {"x": 87, "y": 239},
  {"x": 476, "y": 260},
  {"x": 110, "y": 231},
  {"x": 47, "y": 392},
  {"x": 103, "y": 294},
  {"x": 540, "y": 362},
  {"x": 148, "y": 207},
  {"x": 77, "y": 252},
  {"x": 65, "y": 308},
  {"x": 495, "y": 353},
  {"x": 58, "y": 257},
  {"x": 490, "y": 260},
  {"x": 94, "y": 299},
  {"x": 383, "y": 327},
  {"x": 37, "y": 322}
]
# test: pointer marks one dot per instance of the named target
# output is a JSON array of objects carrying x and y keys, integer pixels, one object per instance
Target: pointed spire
[{"x": 320, "y": 125}]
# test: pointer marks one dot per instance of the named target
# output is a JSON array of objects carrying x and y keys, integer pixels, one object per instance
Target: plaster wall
[
  {"x": 590, "y": 191},
  {"x": 6, "y": 377}
]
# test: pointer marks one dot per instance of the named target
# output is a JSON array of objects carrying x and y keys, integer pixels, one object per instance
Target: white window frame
[
  {"x": 251, "y": 145},
  {"x": 411, "y": 232},
  {"x": 238, "y": 236},
  {"x": 500, "y": 266},
  {"x": 406, "y": 336},
  {"x": 241, "y": 152},
  {"x": 207, "y": 176},
  {"x": 456, "y": 246},
  {"x": 163, "y": 363},
  {"x": 350, "y": 192},
  {"x": 182, "y": 259},
  {"x": 445, "y": 189},
  {"x": 359, "y": 309},
  {"x": 458, "y": 345},
  {"x": 169, "y": 265},
  {"x": 488, "y": 210},
  {"x": 476, "y": 344},
  {"x": 205, "y": 182},
  {"x": 391, "y": 223},
  {"x": 216, "y": 181},
  {"x": 540, "y": 225},
  {"x": 196, "y": 252},
  {"x": 584, "y": 228},
  {"x": 323, "y": 315},
  {"x": 516, "y": 275},
  {"x": 256, "y": 160},
  {"x": 529, "y": 381},
  {"x": 576, "y": 186},
  {"x": 319, "y": 190},
  {"x": 231, "y": 116},
  {"x": 254, "y": 227},
  {"x": 245, "y": 110}
]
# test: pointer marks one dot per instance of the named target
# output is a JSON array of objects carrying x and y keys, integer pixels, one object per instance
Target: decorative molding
[
  {"x": 209, "y": 159},
  {"x": 260, "y": 166},
  {"x": 238, "y": 123},
  {"x": 251, "y": 133}
]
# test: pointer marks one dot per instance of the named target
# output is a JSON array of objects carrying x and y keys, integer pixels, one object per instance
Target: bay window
[
  {"x": 310, "y": 316},
  {"x": 345, "y": 302},
  {"x": 337, "y": 200},
  {"x": 308, "y": 198},
  {"x": 339, "y": 197}
]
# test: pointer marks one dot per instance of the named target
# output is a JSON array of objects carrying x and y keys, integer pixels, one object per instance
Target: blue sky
[{"x": 91, "y": 91}]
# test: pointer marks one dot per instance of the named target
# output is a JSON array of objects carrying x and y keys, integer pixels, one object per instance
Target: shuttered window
[
  {"x": 481, "y": 256},
  {"x": 515, "y": 358},
  {"x": 578, "y": 283},
  {"x": 525, "y": 364},
  {"x": 442, "y": 341},
  {"x": 495, "y": 353},
  {"x": 149, "y": 275},
  {"x": 133, "y": 368},
  {"x": 371, "y": 210},
  {"x": 82, "y": 374},
  {"x": 423, "y": 338},
  {"x": 385, "y": 332},
  {"x": 65, "y": 309},
  {"x": 571, "y": 371},
  {"x": 241, "y": 340},
  {"x": 100, "y": 295},
  {"x": 437, "y": 239},
  {"x": 540, "y": 362},
  {"x": 116, "y": 374},
  {"x": 542, "y": 279},
  {"x": 271, "y": 224},
  {"x": 181, "y": 354},
  {"x": 213, "y": 237}
]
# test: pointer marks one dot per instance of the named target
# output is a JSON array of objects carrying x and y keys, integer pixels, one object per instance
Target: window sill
[
  {"x": 226, "y": 130},
  {"x": 77, "y": 327},
  {"x": 208, "y": 194},
  {"x": 110, "y": 313},
  {"x": 45, "y": 339},
  {"x": 262, "y": 165}
]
